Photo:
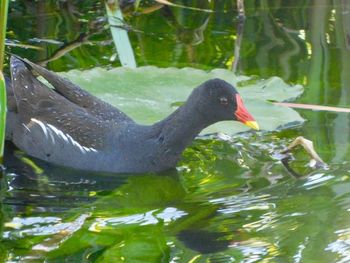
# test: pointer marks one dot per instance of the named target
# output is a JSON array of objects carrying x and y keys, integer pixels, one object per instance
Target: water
[{"x": 230, "y": 199}]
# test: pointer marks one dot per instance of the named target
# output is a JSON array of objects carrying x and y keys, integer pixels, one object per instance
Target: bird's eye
[{"x": 223, "y": 101}]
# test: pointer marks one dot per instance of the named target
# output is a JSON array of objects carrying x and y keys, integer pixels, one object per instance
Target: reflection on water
[
  {"x": 342, "y": 245},
  {"x": 199, "y": 213},
  {"x": 231, "y": 199}
]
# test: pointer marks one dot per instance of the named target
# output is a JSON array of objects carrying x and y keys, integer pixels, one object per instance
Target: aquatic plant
[
  {"x": 3, "y": 19},
  {"x": 120, "y": 34}
]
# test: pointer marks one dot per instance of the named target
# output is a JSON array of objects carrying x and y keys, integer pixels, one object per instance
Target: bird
[{"x": 63, "y": 124}]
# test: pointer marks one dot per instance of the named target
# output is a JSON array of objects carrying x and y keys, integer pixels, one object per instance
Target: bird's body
[{"x": 68, "y": 126}]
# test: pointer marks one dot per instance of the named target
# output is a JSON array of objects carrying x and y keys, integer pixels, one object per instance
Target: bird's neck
[{"x": 179, "y": 129}]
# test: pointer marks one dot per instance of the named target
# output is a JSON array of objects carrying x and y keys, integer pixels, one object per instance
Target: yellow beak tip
[{"x": 252, "y": 124}]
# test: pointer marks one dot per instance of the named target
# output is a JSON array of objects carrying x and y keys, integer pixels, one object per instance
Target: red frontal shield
[{"x": 243, "y": 115}]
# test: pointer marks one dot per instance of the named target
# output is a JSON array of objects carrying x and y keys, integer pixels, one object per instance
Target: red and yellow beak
[{"x": 243, "y": 115}]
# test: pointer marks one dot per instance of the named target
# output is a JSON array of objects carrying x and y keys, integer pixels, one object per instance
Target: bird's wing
[
  {"x": 80, "y": 97},
  {"x": 44, "y": 112}
]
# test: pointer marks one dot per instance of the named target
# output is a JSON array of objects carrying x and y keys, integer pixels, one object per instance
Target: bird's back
[{"x": 64, "y": 124}]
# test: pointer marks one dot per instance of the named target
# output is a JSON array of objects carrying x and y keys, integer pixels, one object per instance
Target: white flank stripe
[
  {"x": 41, "y": 124},
  {"x": 52, "y": 131}
]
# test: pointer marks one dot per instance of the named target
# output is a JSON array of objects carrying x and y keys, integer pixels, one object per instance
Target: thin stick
[
  {"x": 308, "y": 146},
  {"x": 165, "y": 2},
  {"x": 311, "y": 107},
  {"x": 82, "y": 39},
  {"x": 240, "y": 27}
]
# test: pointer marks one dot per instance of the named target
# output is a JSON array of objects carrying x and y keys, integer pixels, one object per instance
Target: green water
[{"x": 230, "y": 199}]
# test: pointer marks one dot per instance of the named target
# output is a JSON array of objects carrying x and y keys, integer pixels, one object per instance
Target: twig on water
[{"x": 240, "y": 28}]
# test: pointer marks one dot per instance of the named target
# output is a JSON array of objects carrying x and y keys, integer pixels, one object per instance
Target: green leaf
[
  {"x": 3, "y": 21},
  {"x": 148, "y": 93},
  {"x": 120, "y": 35}
]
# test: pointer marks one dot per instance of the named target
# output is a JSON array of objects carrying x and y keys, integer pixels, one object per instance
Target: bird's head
[{"x": 218, "y": 100}]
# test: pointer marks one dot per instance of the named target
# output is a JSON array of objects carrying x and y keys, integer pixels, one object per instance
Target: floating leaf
[{"x": 148, "y": 93}]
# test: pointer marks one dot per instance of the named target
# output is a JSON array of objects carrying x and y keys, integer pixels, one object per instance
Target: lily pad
[{"x": 148, "y": 94}]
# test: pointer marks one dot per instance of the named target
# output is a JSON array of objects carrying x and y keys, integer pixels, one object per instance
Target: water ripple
[
  {"x": 317, "y": 180},
  {"x": 235, "y": 204},
  {"x": 341, "y": 246},
  {"x": 168, "y": 215}
]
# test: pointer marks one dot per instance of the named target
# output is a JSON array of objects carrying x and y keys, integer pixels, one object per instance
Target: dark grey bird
[{"x": 68, "y": 126}]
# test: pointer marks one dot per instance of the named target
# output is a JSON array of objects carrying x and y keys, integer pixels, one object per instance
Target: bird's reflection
[{"x": 35, "y": 187}]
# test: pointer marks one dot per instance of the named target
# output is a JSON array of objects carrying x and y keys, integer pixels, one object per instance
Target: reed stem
[{"x": 3, "y": 20}]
